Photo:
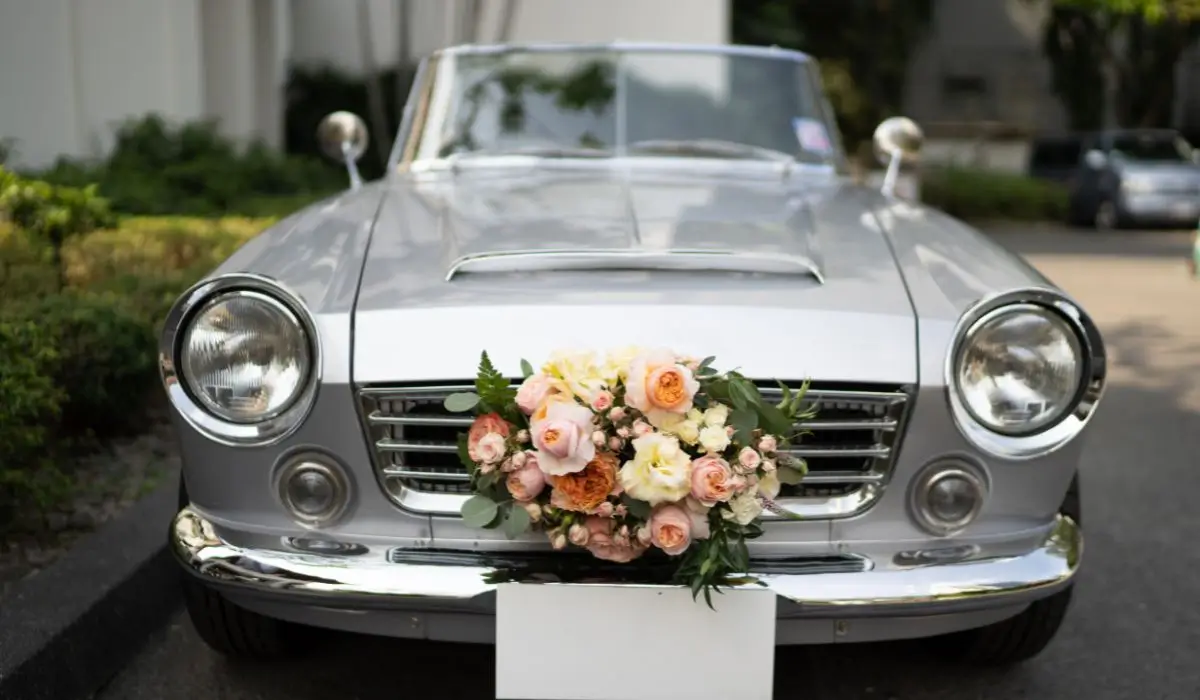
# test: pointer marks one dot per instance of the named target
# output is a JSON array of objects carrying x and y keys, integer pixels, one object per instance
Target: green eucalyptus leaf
[
  {"x": 526, "y": 369},
  {"x": 479, "y": 512},
  {"x": 774, "y": 421},
  {"x": 516, "y": 522},
  {"x": 789, "y": 476},
  {"x": 461, "y": 402}
]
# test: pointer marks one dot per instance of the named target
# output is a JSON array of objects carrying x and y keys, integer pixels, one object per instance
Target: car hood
[{"x": 786, "y": 277}]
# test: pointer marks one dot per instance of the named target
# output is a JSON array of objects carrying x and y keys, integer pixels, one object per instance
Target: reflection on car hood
[{"x": 431, "y": 220}]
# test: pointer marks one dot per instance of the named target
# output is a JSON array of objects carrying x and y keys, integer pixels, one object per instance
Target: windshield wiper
[
  {"x": 709, "y": 147},
  {"x": 537, "y": 152}
]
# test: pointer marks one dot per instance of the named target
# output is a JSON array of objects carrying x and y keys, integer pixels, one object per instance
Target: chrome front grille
[{"x": 850, "y": 451}]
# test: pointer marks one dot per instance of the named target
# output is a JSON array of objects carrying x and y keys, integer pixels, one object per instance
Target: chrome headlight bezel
[
  {"x": 271, "y": 427},
  {"x": 1049, "y": 438}
]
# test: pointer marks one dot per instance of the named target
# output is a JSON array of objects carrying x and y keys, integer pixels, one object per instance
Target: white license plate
[{"x": 599, "y": 642}]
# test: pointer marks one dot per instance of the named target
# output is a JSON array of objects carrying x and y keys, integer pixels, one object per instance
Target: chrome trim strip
[
  {"x": 271, "y": 430},
  {"x": 865, "y": 487},
  {"x": 648, "y": 47},
  {"x": 1091, "y": 390},
  {"x": 374, "y": 581},
  {"x": 634, "y": 259}
]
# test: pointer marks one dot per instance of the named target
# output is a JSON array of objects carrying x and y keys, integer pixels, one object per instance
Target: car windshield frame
[
  {"x": 1168, "y": 146},
  {"x": 438, "y": 87}
]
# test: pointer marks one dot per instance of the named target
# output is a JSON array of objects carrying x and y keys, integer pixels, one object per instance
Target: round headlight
[
  {"x": 245, "y": 357},
  {"x": 1019, "y": 369}
]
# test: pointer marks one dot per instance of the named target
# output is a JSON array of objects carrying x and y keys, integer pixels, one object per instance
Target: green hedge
[
  {"x": 79, "y": 318},
  {"x": 986, "y": 195}
]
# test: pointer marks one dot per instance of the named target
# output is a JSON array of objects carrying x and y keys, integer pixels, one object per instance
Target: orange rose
[
  {"x": 658, "y": 385},
  {"x": 585, "y": 491},
  {"x": 668, "y": 388}
]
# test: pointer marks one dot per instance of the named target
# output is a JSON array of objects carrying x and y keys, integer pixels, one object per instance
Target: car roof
[{"x": 660, "y": 47}]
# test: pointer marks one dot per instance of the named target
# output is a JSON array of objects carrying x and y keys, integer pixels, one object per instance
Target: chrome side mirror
[
  {"x": 1095, "y": 159},
  {"x": 898, "y": 140},
  {"x": 343, "y": 136}
]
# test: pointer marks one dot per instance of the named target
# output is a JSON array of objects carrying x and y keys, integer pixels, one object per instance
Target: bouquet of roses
[{"x": 635, "y": 450}]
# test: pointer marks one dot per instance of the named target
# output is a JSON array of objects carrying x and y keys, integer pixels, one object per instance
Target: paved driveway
[{"x": 1134, "y": 630}]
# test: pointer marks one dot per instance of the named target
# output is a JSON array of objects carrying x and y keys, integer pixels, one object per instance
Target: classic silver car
[{"x": 692, "y": 197}]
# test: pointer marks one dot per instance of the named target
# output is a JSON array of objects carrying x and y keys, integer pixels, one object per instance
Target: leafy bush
[
  {"x": 158, "y": 168},
  {"x": 981, "y": 194}
]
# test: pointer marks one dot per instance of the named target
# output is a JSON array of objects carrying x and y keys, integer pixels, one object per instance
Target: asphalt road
[{"x": 1134, "y": 629}]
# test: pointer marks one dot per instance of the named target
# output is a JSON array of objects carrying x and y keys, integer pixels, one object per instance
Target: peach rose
[
  {"x": 563, "y": 439},
  {"x": 487, "y": 423},
  {"x": 712, "y": 480},
  {"x": 491, "y": 448},
  {"x": 526, "y": 483},
  {"x": 671, "y": 529},
  {"x": 586, "y": 491},
  {"x": 533, "y": 391},
  {"x": 658, "y": 385},
  {"x": 602, "y": 544}
]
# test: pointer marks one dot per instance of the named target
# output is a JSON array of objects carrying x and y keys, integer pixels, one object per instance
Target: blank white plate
[{"x": 600, "y": 642}]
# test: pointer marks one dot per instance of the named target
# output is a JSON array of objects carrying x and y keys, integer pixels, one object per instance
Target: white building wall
[{"x": 72, "y": 70}]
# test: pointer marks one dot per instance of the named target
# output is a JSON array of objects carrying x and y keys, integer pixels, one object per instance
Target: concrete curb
[{"x": 68, "y": 630}]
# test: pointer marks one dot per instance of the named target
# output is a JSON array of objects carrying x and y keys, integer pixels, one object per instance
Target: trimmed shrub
[
  {"x": 981, "y": 194},
  {"x": 158, "y": 168}
]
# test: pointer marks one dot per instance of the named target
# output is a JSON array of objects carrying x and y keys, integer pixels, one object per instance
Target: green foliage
[
  {"x": 982, "y": 195},
  {"x": 495, "y": 390},
  {"x": 158, "y": 168},
  {"x": 314, "y": 93},
  {"x": 864, "y": 48}
]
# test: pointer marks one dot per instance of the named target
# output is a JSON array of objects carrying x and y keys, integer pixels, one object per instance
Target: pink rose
[
  {"x": 671, "y": 529},
  {"x": 602, "y": 401},
  {"x": 487, "y": 423},
  {"x": 658, "y": 384},
  {"x": 605, "y": 509},
  {"x": 624, "y": 431},
  {"x": 533, "y": 391},
  {"x": 518, "y": 460},
  {"x": 616, "y": 414},
  {"x": 615, "y": 443},
  {"x": 712, "y": 480},
  {"x": 491, "y": 448},
  {"x": 562, "y": 439},
  {"x": 603, "y": 545},
  {"x": 749, "y": 459},
  {"x": 526, "y": 483},
  {"x": 768, "y": 444},
  {"x": 641, "y": 428},
  {"x": 598, "y": 438}
]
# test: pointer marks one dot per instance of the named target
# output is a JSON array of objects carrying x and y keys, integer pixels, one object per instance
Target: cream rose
[
  {"x": 714, "y": 439},
  {"x": 660, "y": 471},
  {"x": 563, "y": 439},
  {"x": 716, "y": 416},
  {"x": 743, "y": 508},
  {"x": 657, "y": 384},
  {"x": 712, "y": 480},
  {"x": 671, "y": 529},
  {"x": 533, "y": 391},
  {"x": 578, "y": 371},
  {"x": 616, "y": 363},
  {"x": 769, "y": 485}
]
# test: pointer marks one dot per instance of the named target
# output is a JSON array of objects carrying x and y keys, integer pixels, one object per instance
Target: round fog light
[
  {"x": 947, "y": 499},
  {"x": 314, "y": 493}
]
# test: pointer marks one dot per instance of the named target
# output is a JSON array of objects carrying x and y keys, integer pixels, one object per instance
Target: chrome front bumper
[{"x": 374, "y": 581}]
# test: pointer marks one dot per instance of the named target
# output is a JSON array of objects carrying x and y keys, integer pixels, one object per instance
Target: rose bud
[
  {"x": 522, "y": 436},
  {"x": 641, "y": 428},
  {"x": 598, "y": 438},
  {"x": 616, "y": 414},
  {"x": 578, "y": 535},
  {"x": 559, "y": 541},
  {"x": 534, "y": 510},
  {"x": 518, "y": 460},
  {"x": 615, "y": 443},
  {"x": 605, "y": 509},
  {"x": 644, "y": 535}
]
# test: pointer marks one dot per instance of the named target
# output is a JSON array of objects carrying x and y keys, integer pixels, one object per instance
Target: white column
[
  {"x": 326, "y": 33},
  {"x": 228, "y": 38}
]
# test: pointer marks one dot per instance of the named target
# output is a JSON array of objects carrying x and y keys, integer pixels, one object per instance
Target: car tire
[
  {"x": 231, "y": 630},
  {"x": 1024, "y": 636}
]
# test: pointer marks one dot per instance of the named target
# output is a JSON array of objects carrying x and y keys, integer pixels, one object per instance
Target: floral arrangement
[{"x": 634, "y": 451}]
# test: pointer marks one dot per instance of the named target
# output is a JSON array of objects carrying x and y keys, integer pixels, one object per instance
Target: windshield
[
  {"x": 601, "y": 102},
  {"x": 1153, "y": 146}
]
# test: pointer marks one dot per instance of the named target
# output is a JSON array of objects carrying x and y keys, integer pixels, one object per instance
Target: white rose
[
  {"x": 660, "y": 471},
  {"x": 716, "y": 416},
  {"x": 491, "y": 448},
  {"x": 743, "y": 508},
  {"x": 688, "y": 431},
  {"x": 713, "y": 439}
]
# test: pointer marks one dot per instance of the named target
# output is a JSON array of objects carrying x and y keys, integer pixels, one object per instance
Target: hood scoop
[{"x": 548, "y": 259}]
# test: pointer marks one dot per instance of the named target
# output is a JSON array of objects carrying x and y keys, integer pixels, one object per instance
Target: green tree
[
  {"x": 864, "y": 48},
  {"x": 1114, "y": 61}
]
